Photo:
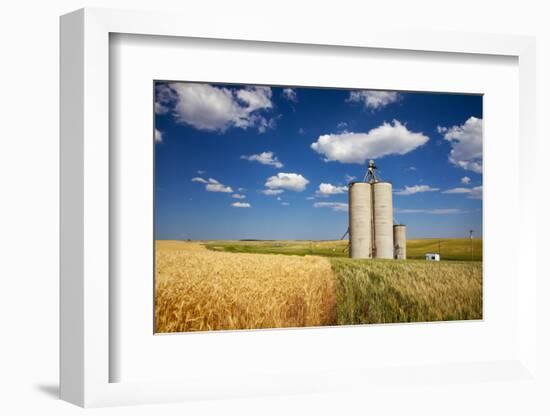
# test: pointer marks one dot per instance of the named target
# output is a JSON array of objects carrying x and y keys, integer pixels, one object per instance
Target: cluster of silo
[{"x": 372, "y": 233}]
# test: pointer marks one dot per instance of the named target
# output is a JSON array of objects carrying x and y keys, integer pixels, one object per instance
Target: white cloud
[
  {"x": 466, "y": 144},
  {"x": 383, "y": 140},
  {"x": 289, "y": 181},
  {"x": 301, "y": 131},
  {"x": 457, "y": 191},
  {"x": 211, "y": 108},
  {"x": 218, "y": 187},
  {"x": 465, "y": 180},
  {"x": 335, "y": 206},
  {"x": 241, "y": 205},
  {"x": 438, "y": 211},
  {"x": 201, "y": 172},
  {"x": 265, "y": 158},
  {"x": 474, "y": 193},
  {"x": 212, "y": 185},
  {"x": 477, "y": 192},
  {"x": 272, "y": 191},
  {"x": 165, "y": 96},
  {"x": 412, "y": 168},
  {"x": 290, "y": 95},
  {"x": 238, "y": 196},
  {"x": 160, "y": 108},
  {"x": 158, "y": 136},
  {"x": 255, "y": 98},
  {"x": 310, "y": 197},
  {"x": 200, "y": 180},
  {"x": 373, "y": 100},
  {"x": 327, "y": 189},
  {"x": 285, "y": 204},
  {"x": 415, "y": 189},
  {"x": 350, "y": 178}
]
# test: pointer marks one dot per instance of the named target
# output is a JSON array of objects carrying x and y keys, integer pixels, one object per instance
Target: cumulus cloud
[
  {"x": 164, "y": 98},
  {"x": 438, "y": 211},
  {"x": 387, "y": 139},
  {"x": 218, "y": 187},
  {"x": 238, "y": 196},
  {"x": 415, "y": 189},
  {"x": 466, "y": 144},
  {"x": 465, "y": 180},
  {"x": 158, "y": 136},
  {"x": 290, "y": 95},
  {"x": 212, "y": 185},
  {"x": 241, "y": 205},
  {"x": 289, "y": 181},
  {"x": 373, "y": 100},
  {"x": 475, "y": 193},
  {"x": 265, "y": 158},
  {"x": 272, "y": 191},
  {"x": 327, "y": 189},
  {"x": 335, "y": 206},
  {"x": 210, "y": 108}
]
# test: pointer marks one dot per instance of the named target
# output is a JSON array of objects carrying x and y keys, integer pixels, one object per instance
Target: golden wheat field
[{"x": 197, "y": 290}]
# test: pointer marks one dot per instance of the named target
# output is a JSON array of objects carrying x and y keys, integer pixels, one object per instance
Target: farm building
[{"x": 432, "y": 257}]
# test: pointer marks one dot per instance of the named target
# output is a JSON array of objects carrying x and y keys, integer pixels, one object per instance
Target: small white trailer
[{"x": 432, "y": 257}]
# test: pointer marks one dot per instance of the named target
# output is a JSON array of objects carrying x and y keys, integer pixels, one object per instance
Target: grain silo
[
  {"x": 360, "y": 220},
  {"x": 371, "y": 230},
  {"x": 400, "y": 241},
  {"x": 383, "y": 220}
]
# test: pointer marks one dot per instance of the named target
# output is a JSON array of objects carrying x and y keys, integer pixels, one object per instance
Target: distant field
[
  {"x": 243, "y": 285},
  {"x": 299, "y": 248},
  {"x": 450, "y": 248}
]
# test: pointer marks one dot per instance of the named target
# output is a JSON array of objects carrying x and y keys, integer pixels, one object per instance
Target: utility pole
[{"x": 472, "y": 244}]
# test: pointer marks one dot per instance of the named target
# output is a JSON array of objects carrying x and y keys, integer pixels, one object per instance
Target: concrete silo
[
  {"x": 400, "y": 241},
  {"x": 383, "y": 220},
  {"x": 360, "y": 220},
  {"x": 371, "y": 230}
]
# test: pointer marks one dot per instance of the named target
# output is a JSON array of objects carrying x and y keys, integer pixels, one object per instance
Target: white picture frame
[{"x": 85, "y": 355}]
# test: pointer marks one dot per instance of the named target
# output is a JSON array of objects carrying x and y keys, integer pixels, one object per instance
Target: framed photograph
[
  {"x": 284, "y": 213},
  {"x": 271, "y": 212}
]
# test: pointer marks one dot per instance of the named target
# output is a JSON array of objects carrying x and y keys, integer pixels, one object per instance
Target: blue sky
[{"x": 237, "y": 161}]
